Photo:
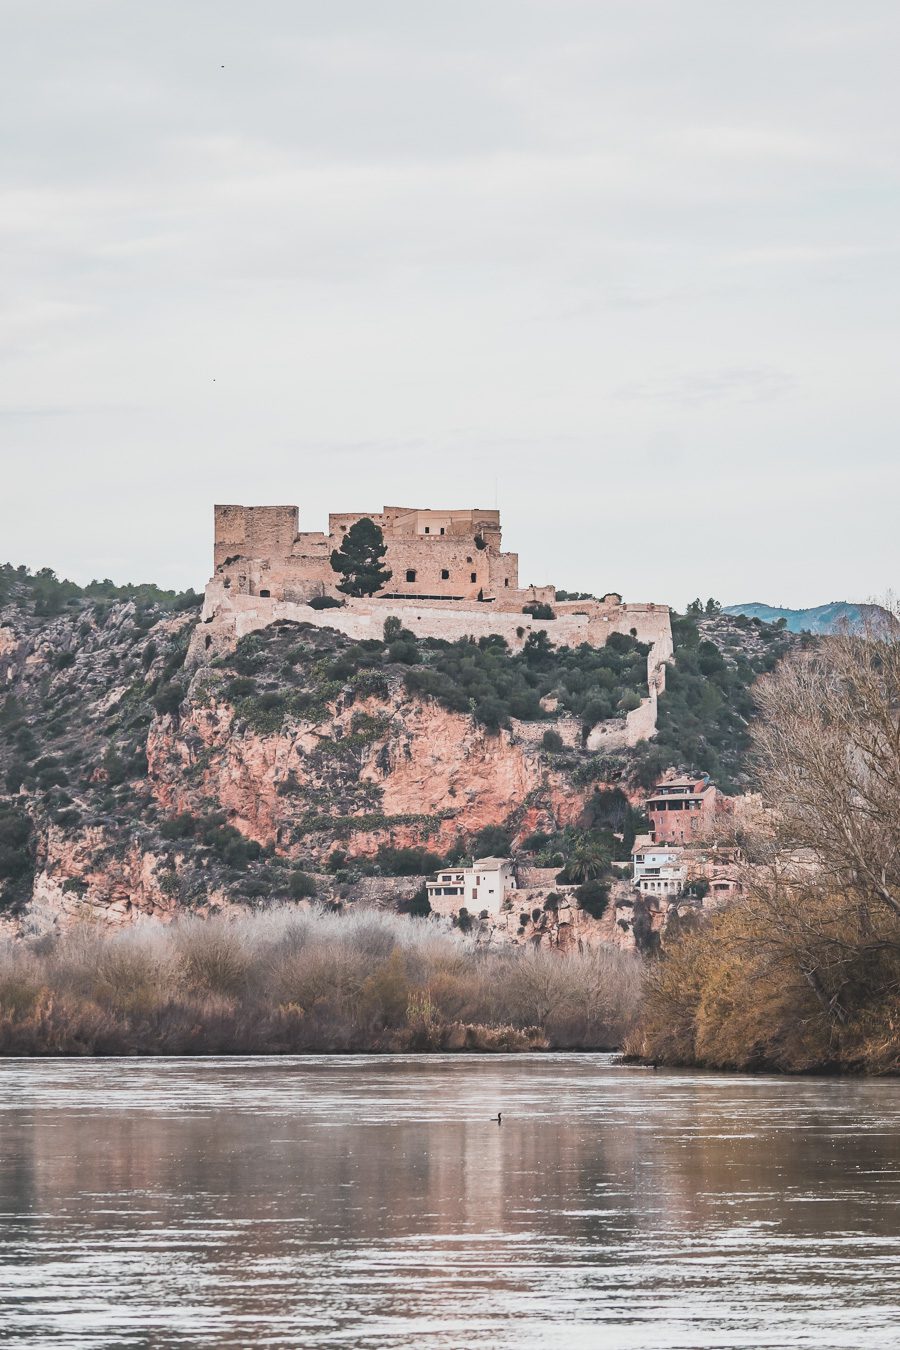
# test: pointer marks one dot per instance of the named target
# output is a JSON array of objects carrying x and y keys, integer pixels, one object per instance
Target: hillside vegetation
[
  {"x": 705, "y": 716},
  {"x": 804, "y": 972},
  {"x": 288, "y": 982}
]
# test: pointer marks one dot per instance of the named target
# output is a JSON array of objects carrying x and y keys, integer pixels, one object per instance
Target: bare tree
[{"x": 828, "y": 756}]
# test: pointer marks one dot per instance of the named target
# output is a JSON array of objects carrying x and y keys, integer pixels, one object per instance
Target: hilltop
[{"x": 822, "y": 619}]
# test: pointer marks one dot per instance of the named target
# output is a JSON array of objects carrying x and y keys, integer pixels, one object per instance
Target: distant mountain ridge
[{"x": 821, "y": 619}]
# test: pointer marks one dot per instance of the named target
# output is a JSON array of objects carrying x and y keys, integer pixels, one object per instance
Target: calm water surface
[{"x": 367, "y": 1202}]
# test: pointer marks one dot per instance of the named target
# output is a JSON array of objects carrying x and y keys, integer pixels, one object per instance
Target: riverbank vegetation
[
  {"x": 293, "y": 981},
  {"x": 804, "y": 973}
]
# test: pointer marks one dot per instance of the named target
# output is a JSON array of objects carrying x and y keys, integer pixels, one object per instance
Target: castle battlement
[{"x": 432, "y": 555}]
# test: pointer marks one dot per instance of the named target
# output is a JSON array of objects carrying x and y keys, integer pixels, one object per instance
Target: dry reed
[{"x": 293, "y": 981}]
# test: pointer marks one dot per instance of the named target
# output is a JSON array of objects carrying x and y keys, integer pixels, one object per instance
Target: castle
[{"x": 449, "y": 579}]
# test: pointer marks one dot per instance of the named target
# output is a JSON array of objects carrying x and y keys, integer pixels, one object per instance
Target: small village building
[
  {"x": 482, "y": 886},
  {"x": 684, "y": 809},
  {"x": 659, "y": 869}
]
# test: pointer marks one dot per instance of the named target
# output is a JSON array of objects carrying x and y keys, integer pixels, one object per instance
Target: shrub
[
  {"x": 407, "y": 862},
  {"x": 417, "y": 906},
  {"x": 242, "y": 686},
  {"x": 301, "y": 885},
  {"x": 535, "y": 842},
  {"x": 178, "y": 827},
  {"x": 403, "y": 652},
  {"x": 168, "y": 699},
  {"x": 593, "y": 897},
  {"x": 492, "y": 842},
  {"x": 324, "y": 602},
  {"x": 539, "y": 611},
  {"x": 551, "y": 740}
]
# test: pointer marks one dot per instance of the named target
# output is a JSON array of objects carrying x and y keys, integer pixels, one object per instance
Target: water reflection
[{"x": 374, "y": 1202}]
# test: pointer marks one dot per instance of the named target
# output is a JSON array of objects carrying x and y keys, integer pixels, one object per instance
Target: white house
[
  {"x": 659, "y": 869},
  {"x": 483, "y": 886}
]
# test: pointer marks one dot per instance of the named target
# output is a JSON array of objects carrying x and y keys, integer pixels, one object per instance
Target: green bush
[
  {"x": 418, "y": 906},
  {"x": 551, "y": 740},
  {"x": 301, "y": 885},
  {"x": 407, "y": 862},
  {"x": 492, "y": 842},
  {"x": 404, "y": 652},
  {"x": 593, "y": 897},
  {"x": 242, "y": 686},
  {"x": 168, "y": 699},
  {"x": 324, "y": 602},
  {"x": 179, "y": 827}
]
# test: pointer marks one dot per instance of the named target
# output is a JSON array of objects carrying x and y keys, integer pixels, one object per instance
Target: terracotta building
[{"x": 684, "y": 809}]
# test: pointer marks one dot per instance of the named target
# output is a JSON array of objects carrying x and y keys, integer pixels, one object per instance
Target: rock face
[
  {"x": 83, "y": 873},
  {"x": 417, "y": 775}
]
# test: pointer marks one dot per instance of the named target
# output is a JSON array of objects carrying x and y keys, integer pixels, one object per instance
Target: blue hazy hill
[{"x": 822, "y": 619}]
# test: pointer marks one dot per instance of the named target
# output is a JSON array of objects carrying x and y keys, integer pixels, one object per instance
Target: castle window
[
  {"x": 474, "y": 576},
  {"x": 468, "y": 560},
  {"x": 410, "y": 574},
  {"x": 428, "y": 529},
  {"x": 445, "y": 575},
  {"x": 506, "y": 581},
  {"x": 266, "y": 594},
  {"x": 442, "y": 529}
]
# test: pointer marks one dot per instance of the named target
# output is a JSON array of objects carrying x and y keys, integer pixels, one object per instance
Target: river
[{"x": 373, "y": 1202}]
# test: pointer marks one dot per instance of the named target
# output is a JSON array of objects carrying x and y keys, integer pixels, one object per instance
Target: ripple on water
[{"x": 373, "y": 1202}]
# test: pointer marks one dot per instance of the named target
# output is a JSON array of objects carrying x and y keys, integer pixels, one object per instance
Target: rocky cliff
[{"x": 303, "y": 761}]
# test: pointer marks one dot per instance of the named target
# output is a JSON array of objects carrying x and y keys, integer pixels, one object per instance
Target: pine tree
[{"x": 359, "y": 559}]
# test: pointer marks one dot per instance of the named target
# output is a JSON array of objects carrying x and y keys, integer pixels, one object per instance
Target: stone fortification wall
[
  {"x": 532, "y": 733},
  {"x": 238, "y": 614},
  {"x": 538, "y": 878},
  {"x": 624, "y": 733}
]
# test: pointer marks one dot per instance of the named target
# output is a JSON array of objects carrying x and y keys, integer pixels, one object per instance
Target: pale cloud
[{"x": 635, "y": 264}]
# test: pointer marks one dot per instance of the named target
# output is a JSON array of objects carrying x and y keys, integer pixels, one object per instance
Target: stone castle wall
[{"x": 241, "y": 614}]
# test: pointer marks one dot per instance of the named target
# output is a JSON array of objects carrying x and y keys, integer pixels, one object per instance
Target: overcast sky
[{"x": 626, "y": 268}]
